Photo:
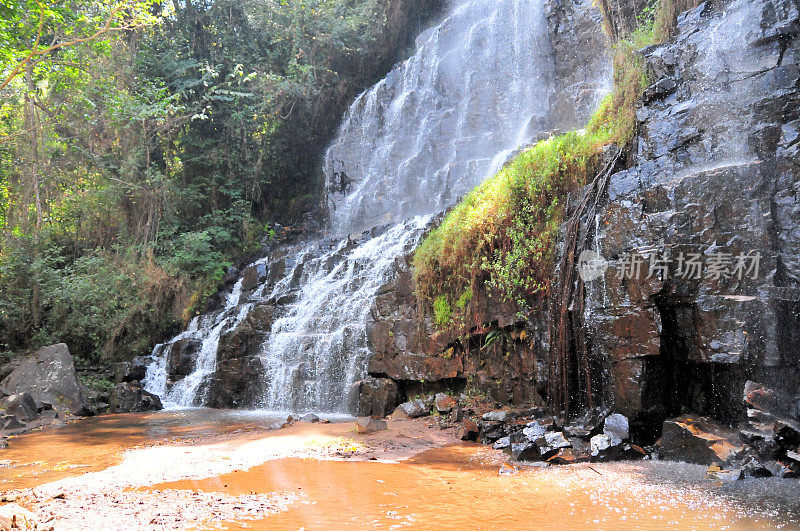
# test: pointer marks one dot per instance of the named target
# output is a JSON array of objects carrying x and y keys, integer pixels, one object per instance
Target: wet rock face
[
  {"x": 408, "y": 348},
  {"x": 377, "y": 397},
  {"x": 582, "y": 62},
  {"x": 129, "y": 397},
  {"x": 239, "y": 369},
  {"x": 405, "y": 344},
  {"x": 715, "y": 173}
]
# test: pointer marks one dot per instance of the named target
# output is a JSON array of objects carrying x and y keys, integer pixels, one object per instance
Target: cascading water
[
  {"x": 476, "y": 88},
  {"x": 205, "y": 330}
]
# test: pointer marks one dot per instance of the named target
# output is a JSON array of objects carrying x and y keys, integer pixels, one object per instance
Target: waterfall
[{"x": 476, "y": 88}]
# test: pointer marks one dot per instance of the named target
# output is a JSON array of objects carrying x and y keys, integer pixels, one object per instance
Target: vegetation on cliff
[
  {"x": 146, "y": 144},
  {"x": 502, "y": 236}
]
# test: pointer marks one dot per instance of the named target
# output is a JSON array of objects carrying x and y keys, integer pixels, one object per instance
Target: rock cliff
[{"x": 713, "y": 179}]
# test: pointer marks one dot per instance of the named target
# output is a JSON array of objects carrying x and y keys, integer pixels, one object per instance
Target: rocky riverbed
[{"x": 204, "y": 469}]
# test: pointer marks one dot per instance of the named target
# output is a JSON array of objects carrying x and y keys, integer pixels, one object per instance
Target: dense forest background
[{"x": 145, "y": 146}]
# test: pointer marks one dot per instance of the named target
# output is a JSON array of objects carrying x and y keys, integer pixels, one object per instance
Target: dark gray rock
[
  {"x": 602, "y": 445},
  {"x": 698, "y": 440},
  {"x": 770, "y": 401},
  {"x": 377, "y": 397},
  {"x": 131, "y": 371},
  {"x": 49, "y": 376},
  {"x": 551, "y": 442},
  {"x": 311, "y": 418},
  {"x": 181, "y": 358},
  {"x": 713, "y": 170},
  {"x": 524, "y": 451},
  {"x": 10, "y": 422},
  {"x": 21, "y": 406},
  {"x": 496, "y": 416},
  {"x": 129, "y": 397},
  {"x": 415, "y": 409},
  {"x": 502, "y": 442},
  {"x": 366, "y": 425},
  {"x": 534, "y": 431}
]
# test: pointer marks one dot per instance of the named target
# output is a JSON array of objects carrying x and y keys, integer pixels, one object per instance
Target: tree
[{"x": 32, "y": 32}]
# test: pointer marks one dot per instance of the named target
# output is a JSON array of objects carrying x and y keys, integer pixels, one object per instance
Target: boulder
[
  {"x": 617, "y": 427},
  {"x": 129, "y": 397},
  {"x": 49, "y": 376},
  {"x": 776, "y": 403},
  {"x": 444, "y": 404},
  {"x": 603, "y": 445},
  {"x": 534, "y": 431},
  {"x": 366, "y": 425},
  {"x": 491, "y": 431},
  {"x": 468, "y": 430},
  {"x": 502, "y": 443},
  {"x": 568, "y": 456},
  {"x": 551, "y": 442},
  {"x": 698, "y": 440},
  {"x": 377, "y": 397},
  {"x": 10, "y": 422},
  {"x": 414, "y": 409},
  {"x": 309, "y": 418},
  {"x": 21, "y": 406},
  {"x": 496, "y": 416},
  {"x": 588, "y": 424},
  {"x": 135, "y": 370},
  {"x": 524, "y": 451}
]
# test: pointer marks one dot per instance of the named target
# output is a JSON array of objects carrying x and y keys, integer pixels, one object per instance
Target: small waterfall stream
[{"x": 476, "y": 88}]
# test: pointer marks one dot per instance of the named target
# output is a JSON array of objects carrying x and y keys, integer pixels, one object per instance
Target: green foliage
[
  {"x": 97, "y": 383},
  {"x": 441, "y": 311},
  {"x": 153, "y": 144},
  {"x": 502, "y": 236}
]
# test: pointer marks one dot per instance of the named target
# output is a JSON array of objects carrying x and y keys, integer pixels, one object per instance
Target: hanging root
[{"x": 568, "y": 333}]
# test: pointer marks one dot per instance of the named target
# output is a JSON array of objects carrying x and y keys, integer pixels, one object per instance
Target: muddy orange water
[
  {"x": 97, "y": 443},
  {"x": 461, "y": 488}
]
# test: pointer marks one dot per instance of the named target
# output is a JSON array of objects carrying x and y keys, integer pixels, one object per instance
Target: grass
[{"x": 503, "y": 234}]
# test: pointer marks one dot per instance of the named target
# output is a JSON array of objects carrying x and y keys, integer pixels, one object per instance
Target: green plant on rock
[{"x": 502, "y": 235}]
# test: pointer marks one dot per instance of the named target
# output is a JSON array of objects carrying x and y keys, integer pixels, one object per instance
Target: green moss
[
  {"x": 502, "y": 235},
  {"x": 441, "y": 311}
]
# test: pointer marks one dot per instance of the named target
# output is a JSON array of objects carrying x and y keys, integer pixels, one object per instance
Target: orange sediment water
[
  {"x": 94, "y": 444},
  {"x": 464, "y": 486},
  {"x": 461, "y": 488}
]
